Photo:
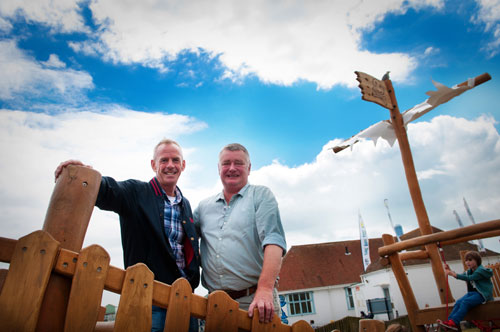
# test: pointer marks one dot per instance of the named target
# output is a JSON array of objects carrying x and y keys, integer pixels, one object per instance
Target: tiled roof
[{"x": 326, "y": 264}]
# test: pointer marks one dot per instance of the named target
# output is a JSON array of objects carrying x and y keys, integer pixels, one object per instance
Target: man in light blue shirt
[{"x": 242, "y": 239}]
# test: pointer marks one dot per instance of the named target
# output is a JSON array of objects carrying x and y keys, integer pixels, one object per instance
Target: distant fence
[
  {"x": 37, "y": 257},
  {"x": 351, "y": 324}
]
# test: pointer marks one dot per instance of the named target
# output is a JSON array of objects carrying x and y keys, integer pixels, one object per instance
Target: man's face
[
  {"x": 234, "y": 168},
  {"x": 168, "y": 165}
]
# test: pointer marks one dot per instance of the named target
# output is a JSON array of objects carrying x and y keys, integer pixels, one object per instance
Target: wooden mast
[{"x": 416, "y": 194}]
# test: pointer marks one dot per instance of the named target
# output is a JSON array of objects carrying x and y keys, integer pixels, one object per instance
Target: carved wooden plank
[
  {"x": 373, "y": 90},
  {"x": 134, "y": 309},
  {"x": 179, "y": 307},
  {"x": 24, "y": 288},
  {"x": 222, "y": 313},
  {"x": 86, "y": 289},
  {"x": 302, "y": 326},
  {"x": 371, "y": 325},
  {"x": 273, "y": 326}
]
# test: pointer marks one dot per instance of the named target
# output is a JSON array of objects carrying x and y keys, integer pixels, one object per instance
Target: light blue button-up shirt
[{"x": 233, "y": 236}]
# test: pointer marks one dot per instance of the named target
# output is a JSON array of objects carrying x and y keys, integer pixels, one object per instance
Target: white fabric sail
[{"x": 384, "y": 129}]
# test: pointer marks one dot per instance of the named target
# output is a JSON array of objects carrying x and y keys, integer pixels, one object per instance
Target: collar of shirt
[
  {"x": 178, "y": 196},
  {"x": 220, "y": 196}
]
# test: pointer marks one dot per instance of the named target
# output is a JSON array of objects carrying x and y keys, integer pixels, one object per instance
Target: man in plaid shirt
[{"x": 156, "y": 221}]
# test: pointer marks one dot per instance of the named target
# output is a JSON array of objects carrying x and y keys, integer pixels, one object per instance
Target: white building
[{"x": 325, "y": 282}]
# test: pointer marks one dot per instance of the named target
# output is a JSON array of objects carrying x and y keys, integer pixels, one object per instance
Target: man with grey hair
[
  {"x": 156, "y": 221},
  {"x": 242, "y": 239}
]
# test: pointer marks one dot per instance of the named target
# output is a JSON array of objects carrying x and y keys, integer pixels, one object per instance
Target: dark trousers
[{"x": 158, "y": 321}]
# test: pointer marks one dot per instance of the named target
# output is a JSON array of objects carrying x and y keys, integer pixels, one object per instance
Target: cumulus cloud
[
  {"x": 59, "y": 15},
  {"x": 279, "y": 42},
  {"x": 489, "y": 15},
  {"x": 454, "y": 158},
  {"x": 22, "y": 74}
]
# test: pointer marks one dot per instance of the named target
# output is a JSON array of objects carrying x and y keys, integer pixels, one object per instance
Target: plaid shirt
[{"x": 174, "y": 230}]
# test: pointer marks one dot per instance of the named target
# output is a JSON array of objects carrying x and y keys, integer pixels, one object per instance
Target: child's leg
[
  {"x": 457, "y": 305},
  {"x": 468, "y": 301}
]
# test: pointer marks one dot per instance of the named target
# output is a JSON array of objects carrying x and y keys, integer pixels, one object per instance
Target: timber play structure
[
  {"x": 425, "y": 246},
  {"x": 52, "y": 284}
]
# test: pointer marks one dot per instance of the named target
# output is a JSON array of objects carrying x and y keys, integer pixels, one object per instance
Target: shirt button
[
  {"x": 220, "y": 239},
  {"x": 184, "y": 221},
  {"x": 192, "y": 239}
]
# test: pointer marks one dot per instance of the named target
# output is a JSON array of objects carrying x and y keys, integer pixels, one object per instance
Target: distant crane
[{"x": 480, "y": 244}]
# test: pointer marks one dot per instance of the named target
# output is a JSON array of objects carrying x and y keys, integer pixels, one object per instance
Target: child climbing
[{"x": 479, "y": 289}]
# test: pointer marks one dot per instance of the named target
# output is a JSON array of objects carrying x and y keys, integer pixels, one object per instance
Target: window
[
  {"x": 349, "y": 298},
  {"x": 300, "y": 303}
]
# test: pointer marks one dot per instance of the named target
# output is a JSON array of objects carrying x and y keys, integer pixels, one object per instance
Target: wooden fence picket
[
  {"x": 86, "y": 289},
  {"x": 134, "y": 309},
  {"x": 179, "y": 306},
  {"x": 29, "y": 271},
  {"x": 222, "y": 313},
  {"x": 273, "y": 326},
  {"x": 371, "y": 325},
  {"x": 495, "y": 279},
  {"x": 301, "y": 326}
]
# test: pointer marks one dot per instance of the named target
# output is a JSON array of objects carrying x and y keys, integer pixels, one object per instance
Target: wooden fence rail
[{"x": 34, "y": 257}]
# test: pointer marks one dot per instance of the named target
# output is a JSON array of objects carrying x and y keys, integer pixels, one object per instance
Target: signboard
[{"x": 374, "y": 90}]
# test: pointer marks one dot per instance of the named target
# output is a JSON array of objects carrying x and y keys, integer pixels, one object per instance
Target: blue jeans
[
  {"x": 464, "y": 304},
  {"x": 158, "y": 321}
]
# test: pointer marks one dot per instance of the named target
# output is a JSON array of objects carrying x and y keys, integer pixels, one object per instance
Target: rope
[{"x": 441, "y": 251}]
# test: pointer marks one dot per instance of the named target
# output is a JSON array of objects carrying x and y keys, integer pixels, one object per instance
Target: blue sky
[{"x": 103, "y": 81}]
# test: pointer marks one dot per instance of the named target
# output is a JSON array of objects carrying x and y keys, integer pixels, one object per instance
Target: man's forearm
[{"x": 271, "y": 266}]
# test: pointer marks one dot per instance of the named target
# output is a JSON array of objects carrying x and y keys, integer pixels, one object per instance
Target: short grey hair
[
  {"x": 166, "y": 141},
  {"x": 236, "y": 147}
]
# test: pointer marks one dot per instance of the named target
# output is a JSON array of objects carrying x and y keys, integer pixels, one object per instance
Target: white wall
[{"x": 329, "y": 303}]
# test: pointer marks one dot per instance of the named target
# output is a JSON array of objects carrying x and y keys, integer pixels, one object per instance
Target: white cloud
[
  {"x": 22, "y": 74},
  {"x": 5, "y": 26},
  {"x": 489, "y": 15},
  {"x": 319, "y": 201},
  {"x": 280, "y": 42},
  {"x": 59, "y": 15},
  {"x": 54, "y": 62}
]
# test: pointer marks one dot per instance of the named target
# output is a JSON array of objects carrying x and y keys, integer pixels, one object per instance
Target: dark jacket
[{"x": 140, "y": 206}]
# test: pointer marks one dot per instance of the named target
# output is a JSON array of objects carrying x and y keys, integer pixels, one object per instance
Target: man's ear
[
  {"x": 153, "y": 165},
  {"x": 183, "y": 165}
]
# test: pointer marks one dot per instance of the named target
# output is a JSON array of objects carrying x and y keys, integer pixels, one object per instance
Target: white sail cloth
[{"x": 384, "y": 129}]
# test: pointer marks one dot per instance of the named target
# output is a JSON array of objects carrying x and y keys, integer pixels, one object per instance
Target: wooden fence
[{"x": 35, "y": 257}]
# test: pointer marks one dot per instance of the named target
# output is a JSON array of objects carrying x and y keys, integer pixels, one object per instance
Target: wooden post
[
  {"x": 415, "y": 193},
  {"x": 67, "y": 218},
  {"x": 371, "y": 325},
  {"x": 404, "y": 285}
]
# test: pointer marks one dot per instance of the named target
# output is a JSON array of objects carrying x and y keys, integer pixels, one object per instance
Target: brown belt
[{"x": 240, "y": 293}]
